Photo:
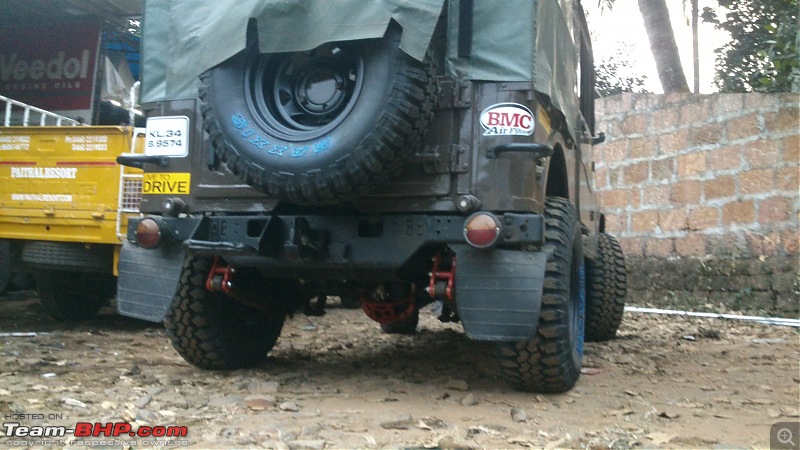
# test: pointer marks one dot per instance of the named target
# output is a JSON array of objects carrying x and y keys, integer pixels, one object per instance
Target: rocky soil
[{"x": 338, "y": 382}]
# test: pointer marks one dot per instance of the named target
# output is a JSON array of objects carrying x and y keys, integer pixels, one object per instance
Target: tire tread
[
  {"x": 211, "y": 331},
  {"x": 544, "y": 364},
  {"x": 606, "y": 280}
]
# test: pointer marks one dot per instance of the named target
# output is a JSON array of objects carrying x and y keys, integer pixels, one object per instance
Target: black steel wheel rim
[{"x": 304, "y": 95}]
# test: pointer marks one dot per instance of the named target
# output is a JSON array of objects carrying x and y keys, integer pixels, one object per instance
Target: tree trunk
[{"x": 663, "y": 46}]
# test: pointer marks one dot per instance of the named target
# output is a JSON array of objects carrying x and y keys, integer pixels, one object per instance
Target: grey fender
[
  {"x": 148, "y": 280},
  {"x": 499, "y": 292}
]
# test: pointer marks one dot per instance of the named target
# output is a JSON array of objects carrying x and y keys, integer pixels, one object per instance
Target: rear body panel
[
  {"x": 416, "y": 212},
  {"x": 210, "y": 190},
  {"x": 436, "y": 177}
]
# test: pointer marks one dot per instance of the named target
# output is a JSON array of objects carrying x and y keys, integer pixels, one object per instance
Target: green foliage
[
  {"x": 762, "y": 55},
  {"x": 602, "y": 4},
  {"x": 615, "y": 74}
]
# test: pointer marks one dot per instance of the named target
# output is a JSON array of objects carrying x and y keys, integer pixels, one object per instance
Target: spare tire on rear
[{"x": 322, "y": 126}]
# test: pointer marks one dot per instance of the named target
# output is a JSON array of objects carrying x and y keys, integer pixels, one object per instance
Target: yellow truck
[{"x": 64, "y": 203}]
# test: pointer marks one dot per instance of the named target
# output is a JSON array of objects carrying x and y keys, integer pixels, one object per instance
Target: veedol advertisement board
[{"x": 51, "y": 67}]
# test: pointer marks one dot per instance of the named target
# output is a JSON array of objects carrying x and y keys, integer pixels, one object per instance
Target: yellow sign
[{"x": 166, "y": 183}]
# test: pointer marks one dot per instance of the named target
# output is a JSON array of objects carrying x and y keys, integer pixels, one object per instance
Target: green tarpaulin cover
[{"x": 513, "y": 40}]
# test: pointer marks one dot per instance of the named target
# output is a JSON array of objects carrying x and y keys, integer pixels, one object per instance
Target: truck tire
[
  {"x": 72, "y": 255},
  {"x": 323, "y": 126},
  {"x": 74, "y": 296},
  {"x": 405, "y": 326},
  {"x": 212, "y": 331},
  {"x": 551, "y": 361},
  {"x": 606, "y": 280},
  {"x": 21, "y": 281},
  {"x": 5, "y": 265}
]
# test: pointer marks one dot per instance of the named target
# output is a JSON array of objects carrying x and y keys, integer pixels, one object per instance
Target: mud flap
[
  {"x": 499, "y": 292},
  {"x": 148, "y": 280}
]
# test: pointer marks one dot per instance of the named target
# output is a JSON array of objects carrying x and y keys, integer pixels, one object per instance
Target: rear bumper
[
  {"x": 499, "y": 289},
  {"x": 338, "y": 247}
]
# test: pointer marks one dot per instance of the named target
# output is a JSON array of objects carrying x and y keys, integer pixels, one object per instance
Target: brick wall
[{"x": 711, "y": 178}]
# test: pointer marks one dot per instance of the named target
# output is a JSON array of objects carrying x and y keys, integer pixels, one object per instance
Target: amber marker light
[
  {"x": 148, "y": 233},
  {"x": 482, "y": 229}
]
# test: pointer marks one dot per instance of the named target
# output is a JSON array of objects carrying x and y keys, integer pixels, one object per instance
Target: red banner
[{"x": 50, "y": 67}]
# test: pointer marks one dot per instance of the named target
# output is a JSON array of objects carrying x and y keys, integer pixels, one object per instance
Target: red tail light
[
  {"x": 148, "y": 233},
  {"x": 482, "y": 229}
]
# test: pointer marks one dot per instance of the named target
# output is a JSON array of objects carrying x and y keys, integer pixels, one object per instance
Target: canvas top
[{"x": 513, "y": 40}]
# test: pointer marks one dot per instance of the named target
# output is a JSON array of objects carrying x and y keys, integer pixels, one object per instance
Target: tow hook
[
  {"x": 442, "y": 277},
  {"x": 220, "y": 277},
  {"x": 441, "y": 286}
]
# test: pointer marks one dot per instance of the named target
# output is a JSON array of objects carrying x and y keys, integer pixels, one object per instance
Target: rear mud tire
[
  {"x": 60, "y": 255},
  {"x": 607, "y": 284},
  {"x": 551, "y": 361},
  {"x": 212, "y": 331},
  {"x": 21, "y": 281},
  {"x": 74, "y": 295},
  {"x": 405, "y": 326}
]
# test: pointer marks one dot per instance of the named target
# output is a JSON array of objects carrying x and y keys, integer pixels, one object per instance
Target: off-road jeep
[{"x": 400, "y": 152}]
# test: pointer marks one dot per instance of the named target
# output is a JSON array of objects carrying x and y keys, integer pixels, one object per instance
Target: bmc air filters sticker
[{"x": 507, "y": 119}]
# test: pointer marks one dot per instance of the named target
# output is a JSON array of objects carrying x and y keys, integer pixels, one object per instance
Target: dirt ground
[{"x": 338, "y": 382}]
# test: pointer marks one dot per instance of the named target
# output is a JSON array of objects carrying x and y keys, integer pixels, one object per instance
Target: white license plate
[{"x": 167, "y": 136}]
